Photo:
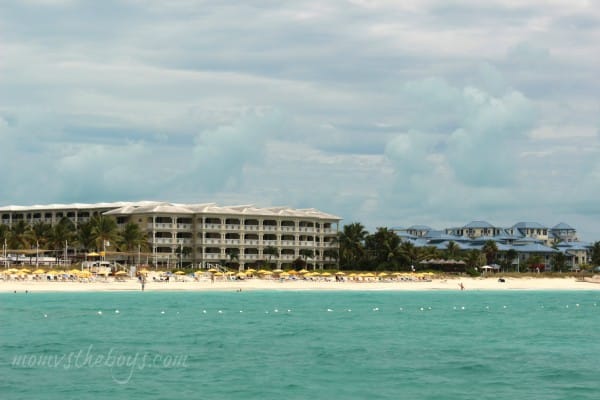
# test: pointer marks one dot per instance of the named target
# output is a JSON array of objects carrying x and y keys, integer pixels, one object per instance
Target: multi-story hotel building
[{"x": 207, "y": 233}]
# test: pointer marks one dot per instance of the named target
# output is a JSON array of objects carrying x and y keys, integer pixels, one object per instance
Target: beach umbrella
[
  {"x": 264, "y": 271},
  {"x": 340, "y": 273},
  {"x": 218, "y": 274},
  {"x": 12, "y": 271},
  {"x": 326, "y": 274},
  {"x": 277, "y": 271},
  {"x": 93, "y": 254},
  {"x": 250, "y": 270},
  {"x": 179, "y": 273},
  {"x": 25, "y": 271},
  {"x": 382, "y": 275},
  {"x": 38, "y": 271},
  {"x": 213, "y": 270},
  {"x": 120, "y": 273},
  {"x": 303, "y": 271},
  {"x": 292, "y": 272},
  {"x": 240, "y": 275}
]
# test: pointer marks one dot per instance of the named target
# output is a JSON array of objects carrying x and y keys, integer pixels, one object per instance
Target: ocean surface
[{"x": 300, "y": 345}]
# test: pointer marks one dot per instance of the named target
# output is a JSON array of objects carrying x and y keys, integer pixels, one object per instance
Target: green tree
[
  {"x": 84, "y": 237},
  {"x": 452, "y": 249},
  {"x": 473, "y": 259},
  {"x": 271, "y": 251},
  {"x": 596, "y": 253},
  {"x": 132, "y": 239},
  {"x": 490, "y": 249},
  {"x": 104, "y": 230},
  {"x": 409, "y": 254},
  {"x": 509, "y": 257},
  {"x": 18, "y": 238},
  {"x": 384, "y": 248},
  {"x": 306, "y": 254},
  {"x": 234, "y": 255},
  {"x": 38, "y": 235},
  {"x": 559, "y": 261},
  {"x": 61, "y": 235},
  {"x": 352, "y": 245}
]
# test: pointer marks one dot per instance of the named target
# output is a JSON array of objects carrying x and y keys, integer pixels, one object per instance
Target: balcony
[
  {"x": 250, "y": 256},
  {"x": 251, "y": 227},
  {"x": 251, "y": 242},
  {"x": 288, "y": 243},
  {"x": 212, "y": 226},
  {"x": 212, "y": 256},
  {"x": 307, "y": 244},
  {"x": 212, "y": 241},
  {"x": 232, "y": 241},
  {"x": 233, "y": 227},
  {"x": 288, "y": 228},
  {"x": 287, "y": 257},
  {"x": 269, "y": 242},
  {"x": 184, "y": 227},
  {"x": 269, "y": 228}
]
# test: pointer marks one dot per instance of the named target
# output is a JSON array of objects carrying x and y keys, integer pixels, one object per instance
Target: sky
[{"x": 388, "y": 113}]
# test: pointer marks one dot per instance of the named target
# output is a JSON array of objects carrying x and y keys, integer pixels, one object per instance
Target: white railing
[
  {"x": 185, "y": 227},
  {"x": 251, "y": 227},
  {"x": 212, "y": 241},
  {"x": 307, "y": 244},
  {"x": 288, "y": 242},
  {"x": 212, "y": 256},
  {"x": 288, "y": 228},
  {"x": 287, "y": 257},
  {"x": 232, "y": 241},
  {"x": 270, "y": 228},
  {"x": 269, "y": 242},
  {"x": 250, "y": 256},
  {"x": 212, "y": 226},
  {"x": 251, "y": 241},
  {"x": 233, "y": 227}
]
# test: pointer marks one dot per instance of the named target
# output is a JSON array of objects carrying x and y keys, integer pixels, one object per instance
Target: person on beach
[{"x": 462, "y": 287}]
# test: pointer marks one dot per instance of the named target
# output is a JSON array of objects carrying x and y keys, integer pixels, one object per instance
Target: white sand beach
[{"x": 470, "y": 284}]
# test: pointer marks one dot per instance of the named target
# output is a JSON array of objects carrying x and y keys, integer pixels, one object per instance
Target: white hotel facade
[{"x": 209, "y": 233}]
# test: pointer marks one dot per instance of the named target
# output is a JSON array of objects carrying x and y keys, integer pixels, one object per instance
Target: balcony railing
[{"x": 232, "y": 241}]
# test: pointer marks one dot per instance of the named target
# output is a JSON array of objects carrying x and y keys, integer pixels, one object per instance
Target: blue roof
[
  {"x": 478, "y": 224},
  {"x": 562, "y": 226},
  {"x": 419, "y": 228},
  {"x": 534, "y": 248},
  {"x": 528, "y": 225},
  {"x": 441, "y": 235}
]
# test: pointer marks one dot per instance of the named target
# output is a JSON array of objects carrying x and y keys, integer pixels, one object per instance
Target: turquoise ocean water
[{"x": 329, "y": 345}]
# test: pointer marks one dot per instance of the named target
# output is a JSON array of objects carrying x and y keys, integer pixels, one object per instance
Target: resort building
[
  {"x": 206, "y": 234},
  {"x": 527, "y": 239}
]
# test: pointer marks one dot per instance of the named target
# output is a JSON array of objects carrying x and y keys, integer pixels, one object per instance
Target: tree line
[
  {"x": 85, "y": 236},
  {"x": 384, "y": 250}
]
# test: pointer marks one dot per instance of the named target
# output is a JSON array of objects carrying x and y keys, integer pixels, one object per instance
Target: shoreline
[{"x": 448, "y": 284}]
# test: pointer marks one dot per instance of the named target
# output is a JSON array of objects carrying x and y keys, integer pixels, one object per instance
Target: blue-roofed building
[
  {"x": 563, "y": 232},
  {"x": 418, "y": 230},
  {"x": 531, "y": 230},
  {"x": 475, "y": 229}
]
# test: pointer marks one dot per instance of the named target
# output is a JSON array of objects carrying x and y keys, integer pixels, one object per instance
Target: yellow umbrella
[
  {"x": 264, "y": 271},
  {"x": 85, "y": 274},
  {"x": 12, "y": 271},
  {"x": 241, "y": 274},
  {"x": 278, "y": 271},
  {"x": 340, "y": 273},
  {"x": 250, "y": 270},
  {"x": 303, "y": 271},
  {"x": 144, "y": 271},
  {"x": 179, "y": 273},
  {"x": 38, "y": 271},
  {"x": 218, "y": 274},
  {"x": 325, "y": 274},
  {"x": 25, "y": 271},
  {"x": 292, "y": 272},
  {"x": 382, "y": 274},
  {"x": 93, "y": 254},
  {"x": 213, "y": 270},
  {"x": 74, "y": 271},
  {"x": 120, "y": 273}
]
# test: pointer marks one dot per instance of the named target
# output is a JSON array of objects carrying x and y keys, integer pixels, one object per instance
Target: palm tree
[
  {"x": 384, "y": 245},
  {"x": 271, "y": 251},
  {"x": 558, "y": 261},
  {"x": 452, "y": 249},
  {"x": 352, "y": 244},
  {"x": 510, "y": 255},
  {"x": 409, "y": 253},
  {"x": 132, "y": 239},
  {"x": 596, "y": 253},
  {"x": 39, "y": 234},
  {"x": 62, "y": 233},
  {"x": 306, "y": 254},
  {"x": 18, "y": 236},
  {"x": 234, "y": 255},
  {"x": 490, "y": 249},
  {"x": 84, "y": 236},
  {"x": 104, "y": 230}
]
